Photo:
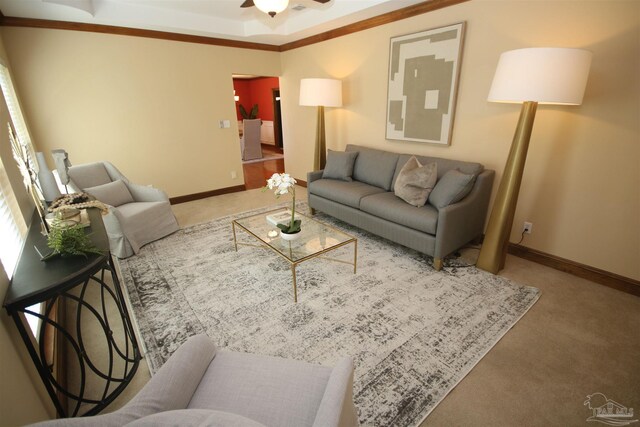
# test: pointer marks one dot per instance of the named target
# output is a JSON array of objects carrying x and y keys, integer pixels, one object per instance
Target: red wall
[{"x": 256, "y": 91}]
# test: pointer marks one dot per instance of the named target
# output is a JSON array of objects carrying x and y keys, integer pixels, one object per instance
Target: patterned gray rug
[{"x": 414, "y": 333}]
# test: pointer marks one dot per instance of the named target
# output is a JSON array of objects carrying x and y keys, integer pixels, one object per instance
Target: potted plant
[
  {"x": 249, "y": 116},
  {"x": 69, "y": 240},
  {"x": 283, "y": 183}
]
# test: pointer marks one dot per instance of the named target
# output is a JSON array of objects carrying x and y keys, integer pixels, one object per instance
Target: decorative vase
[
  {"x": 287, "y": 236},
  {"x": 48, "y": 184}
]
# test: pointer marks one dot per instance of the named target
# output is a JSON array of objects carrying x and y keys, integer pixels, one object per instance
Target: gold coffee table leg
[
  {"x": 355, "y": 255},
  {"x": 295, "y": 288},
  {"x": 235, "y": 242}
]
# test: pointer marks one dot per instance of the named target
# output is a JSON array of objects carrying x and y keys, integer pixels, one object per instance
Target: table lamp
[
  {"x": 320, "y": 93},
  {"x": 529, "y": 76}
]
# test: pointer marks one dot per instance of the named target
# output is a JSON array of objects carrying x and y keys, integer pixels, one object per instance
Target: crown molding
[{"x": 397, "y": 15}]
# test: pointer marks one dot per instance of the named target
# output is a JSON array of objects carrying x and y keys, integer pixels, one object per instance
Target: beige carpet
[{"x": 579, "y": 338}]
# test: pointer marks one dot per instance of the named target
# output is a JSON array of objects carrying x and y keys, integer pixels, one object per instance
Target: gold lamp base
[
  {"x": 320, "y": 156},
  {"x": 494, "y": 248}
]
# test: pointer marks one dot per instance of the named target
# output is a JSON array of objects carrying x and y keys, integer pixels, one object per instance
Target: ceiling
[{"x": 210, "y": 18}]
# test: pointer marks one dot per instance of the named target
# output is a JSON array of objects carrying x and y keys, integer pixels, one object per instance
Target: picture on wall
[{"x": 423, "y": 82}]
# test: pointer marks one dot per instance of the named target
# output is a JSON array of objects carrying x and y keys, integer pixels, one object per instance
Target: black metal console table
[{"x": 85, "y": 349}]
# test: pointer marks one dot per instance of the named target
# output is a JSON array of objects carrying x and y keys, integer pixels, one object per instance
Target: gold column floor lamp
[
  {"x": 529, "y": 76},
  {"x": 320, "y": 93}
]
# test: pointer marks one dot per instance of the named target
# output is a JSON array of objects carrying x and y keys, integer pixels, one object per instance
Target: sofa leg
[
  {"x": 312, "y": 211},
  {"x": 437, "y": 264}
]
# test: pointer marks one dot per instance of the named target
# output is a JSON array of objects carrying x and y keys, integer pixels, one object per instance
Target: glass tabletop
[{"x": 315, "y": 237}]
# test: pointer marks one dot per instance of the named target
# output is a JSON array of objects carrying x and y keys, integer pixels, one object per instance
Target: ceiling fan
[{"x": 272, "y": 7}]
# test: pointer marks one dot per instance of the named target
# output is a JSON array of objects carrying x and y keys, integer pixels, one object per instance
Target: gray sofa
[
  {"x": 202, "y": 386},
  {"x": 368, "y": 202}
]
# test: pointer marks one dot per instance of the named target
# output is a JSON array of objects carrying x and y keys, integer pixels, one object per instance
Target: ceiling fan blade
[
  {"x": 322, "y": 1},
  {"x": 247, "y": 3}
]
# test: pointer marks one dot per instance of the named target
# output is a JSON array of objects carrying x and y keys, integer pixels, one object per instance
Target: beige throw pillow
[{"x": 415, "y": 182}]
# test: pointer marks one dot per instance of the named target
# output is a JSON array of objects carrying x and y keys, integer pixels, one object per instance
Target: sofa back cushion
[
  {"x": 444, "y": 165},
  {"x": 374, "y": 167}
]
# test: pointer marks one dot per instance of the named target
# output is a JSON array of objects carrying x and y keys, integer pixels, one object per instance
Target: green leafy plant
[
  {"x": 249, "y": 116},
  {"x": 69, "y": 240}
]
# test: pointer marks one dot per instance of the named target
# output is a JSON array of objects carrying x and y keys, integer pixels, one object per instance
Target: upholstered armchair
[
  {"x": 137, "y": 214},
  {"x": 201, "y": 386}
]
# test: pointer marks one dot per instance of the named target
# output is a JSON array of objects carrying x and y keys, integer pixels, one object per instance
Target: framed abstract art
[{"x": 423, "y": 82}]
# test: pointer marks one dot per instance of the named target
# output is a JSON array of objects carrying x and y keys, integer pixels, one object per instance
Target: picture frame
[{"x": 424, "y": 70}]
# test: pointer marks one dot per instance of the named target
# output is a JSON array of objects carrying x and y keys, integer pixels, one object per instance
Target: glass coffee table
[{"x": 315, "y": 240}]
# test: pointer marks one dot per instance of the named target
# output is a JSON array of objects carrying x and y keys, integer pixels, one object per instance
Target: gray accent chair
[
  {"x": 368, "y": 202},
  {"x": 201, "y": 386},
  {"x": 137, "y": 214},
  {"x": 250, "y": 142}
]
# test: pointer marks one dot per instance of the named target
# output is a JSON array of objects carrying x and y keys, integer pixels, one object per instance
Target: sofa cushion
[
  {"x": 89, "y": 175},
  {"x": 374, "y": 167},
  {"x": 388, "y": 206},
  {"x": 453, "y": 187},
  {"x": 346, "y": 193},
  {"x": 195, "y": 417},
  {"x": 339, "y": 165},
  {"x": 444, "y": 165},
  {"x": 415, "y": 182},
  {"x": 114, "y": 193}
]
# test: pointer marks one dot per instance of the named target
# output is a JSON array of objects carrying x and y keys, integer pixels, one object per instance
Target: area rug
[{"x": 413, "y": 332}]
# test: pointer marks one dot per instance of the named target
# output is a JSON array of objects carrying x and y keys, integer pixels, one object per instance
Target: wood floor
[{"x": 256, "y": 174}]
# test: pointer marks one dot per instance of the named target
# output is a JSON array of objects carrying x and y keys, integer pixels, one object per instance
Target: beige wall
[
  {"x": 151, "y": 107},
  {"x": 582, "y": 178},
  {"x": 23, "y": 398}
]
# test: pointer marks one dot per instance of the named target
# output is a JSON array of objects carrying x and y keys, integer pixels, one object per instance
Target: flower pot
[{"x": 287, "y": 236}]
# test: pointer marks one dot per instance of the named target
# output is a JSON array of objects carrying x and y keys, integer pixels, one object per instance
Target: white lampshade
[
  {"x": 321, "y": 92},
  {"x": 271, "y": 7},
  {"x": 543, "y": 75}
]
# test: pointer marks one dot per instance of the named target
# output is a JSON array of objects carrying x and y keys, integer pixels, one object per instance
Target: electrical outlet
[
  {"x": 233, "y": 175},
  {"x": 527, "y": 227}
]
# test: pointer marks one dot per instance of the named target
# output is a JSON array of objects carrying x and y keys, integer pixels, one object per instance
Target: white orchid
[{"x": 283, "y": 183}]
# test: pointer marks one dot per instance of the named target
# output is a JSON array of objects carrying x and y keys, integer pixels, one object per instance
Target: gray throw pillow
[
  {"x": 451, "y": 188},
  {"x": 339, "y": 165},
  {"x": 114, "y": 193},
  {"x": 415, "y": 182}
]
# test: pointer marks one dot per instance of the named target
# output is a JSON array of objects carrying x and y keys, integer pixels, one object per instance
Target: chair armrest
[
  {"x": 461, "y": 222},
  {"x": 336, "y": 407}
]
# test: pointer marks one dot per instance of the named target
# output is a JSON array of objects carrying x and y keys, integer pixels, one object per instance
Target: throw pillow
[
  {"x": 415, "y": 182},
  {"x": 339, "y": 165},
  {"x": 114, "y": 193},
  {"x": 451, "y": 188}
]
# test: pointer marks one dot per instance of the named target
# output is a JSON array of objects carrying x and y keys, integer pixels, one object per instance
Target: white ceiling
[{"x": 211, "y": 18}]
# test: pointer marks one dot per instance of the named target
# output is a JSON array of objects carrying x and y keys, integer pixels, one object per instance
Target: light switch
[{"x": 227, "y": 124}]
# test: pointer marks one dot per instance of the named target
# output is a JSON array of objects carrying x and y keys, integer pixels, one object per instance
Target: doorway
[{"x": 257, "y": 102}]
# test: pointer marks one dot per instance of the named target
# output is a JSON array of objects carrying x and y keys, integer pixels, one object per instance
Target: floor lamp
[
  {"x": 528, "y": 76},
  {"x": 320, "y": 93}
]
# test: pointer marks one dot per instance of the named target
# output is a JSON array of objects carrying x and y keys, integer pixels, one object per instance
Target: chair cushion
[
  {"x": 339, "y": 165},
  {"x": 89, "y": 175},
  {"x": 388, "y": 206},
  {"x": 195, "y": 417},
  {"x": 278, "y": 392},
  {"x": 346, "y": 193},
  {"x": 144, "y": 222},
  {"x": 415, "y": 182},
  {"x": 453, "y": 187},
  {"x": 114, "y": 193},
  {"x": 374, "y": 167}
]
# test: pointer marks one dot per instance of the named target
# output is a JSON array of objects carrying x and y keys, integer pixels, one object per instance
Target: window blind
[{"x": 12, "y": 225}]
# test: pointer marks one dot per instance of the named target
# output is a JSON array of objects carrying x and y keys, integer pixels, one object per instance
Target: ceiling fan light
[{"x": 271, "y": 7}]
